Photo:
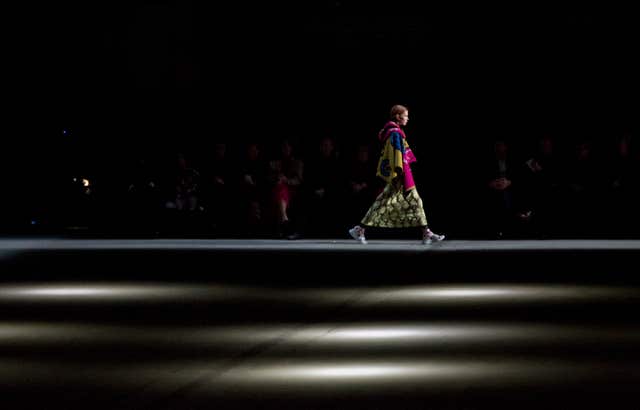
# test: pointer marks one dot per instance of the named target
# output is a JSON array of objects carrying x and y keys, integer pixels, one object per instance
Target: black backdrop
[{"x": 92, "y": 83}]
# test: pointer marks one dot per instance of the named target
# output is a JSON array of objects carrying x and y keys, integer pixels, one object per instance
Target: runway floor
[
  {"x": 142, "y": 324},
  {"x": 327, "y": 245}
]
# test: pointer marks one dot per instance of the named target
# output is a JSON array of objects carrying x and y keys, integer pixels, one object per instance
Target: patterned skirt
[{"x": 395, "y": 208}]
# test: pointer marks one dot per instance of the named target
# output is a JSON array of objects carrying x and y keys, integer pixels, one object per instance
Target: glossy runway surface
[{"x": 299, "y": 325}]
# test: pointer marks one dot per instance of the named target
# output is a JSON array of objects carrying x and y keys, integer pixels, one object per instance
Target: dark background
[
  {"x": 89, "y": 84},
  {"x": 115, "y": 69}
]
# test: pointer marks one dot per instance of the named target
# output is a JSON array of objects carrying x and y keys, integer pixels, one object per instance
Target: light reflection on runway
[
  {"x": 190, "y": 348},
  {"x": 437, "y": 294},
  {"x": 264, "y": 375},
  {"x": 335, "y": 335}
]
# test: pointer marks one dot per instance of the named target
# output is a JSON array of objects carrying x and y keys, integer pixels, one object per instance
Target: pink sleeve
[{"x": 409, "y": 157}]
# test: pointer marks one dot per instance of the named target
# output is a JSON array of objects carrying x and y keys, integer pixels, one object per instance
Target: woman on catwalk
[{"x": 398, "y": 205}]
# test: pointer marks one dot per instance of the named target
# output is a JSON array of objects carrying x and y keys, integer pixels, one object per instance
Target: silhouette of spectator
[
  {"x": 362, "y": 186},
  {"x": 622, "y": 183},
  {"x": 500, "y": 182},
  {"x": 252, "y": 190},
  {"x": 584, "y": 180},
  {"x": 323, "y": 177},
  {"x": 286, "y": 172},
  {"x": 218, "y": 189},
  {"x": 187, "y": 187},
  {"x": 542, "y": 185},
  {"x": 182, "y": 195},
  {"x": 143, "y": 196}
]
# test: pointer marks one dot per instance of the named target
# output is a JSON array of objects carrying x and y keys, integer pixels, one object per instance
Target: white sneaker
[
  {"x": 433, "y": 238},
  {"x": 355, "y": 234}
]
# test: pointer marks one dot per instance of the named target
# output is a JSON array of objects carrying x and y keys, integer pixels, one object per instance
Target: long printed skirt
[{"x": 395, "y": 208}]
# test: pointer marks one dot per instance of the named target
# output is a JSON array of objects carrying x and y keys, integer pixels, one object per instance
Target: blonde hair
[{"x": 396, "y": 110}]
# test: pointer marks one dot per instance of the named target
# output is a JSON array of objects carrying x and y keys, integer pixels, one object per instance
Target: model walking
[{"x": 398, "y": 205}]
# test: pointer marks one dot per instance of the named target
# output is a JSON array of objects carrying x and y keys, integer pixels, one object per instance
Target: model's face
[{"x": 403, "y": 118}]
